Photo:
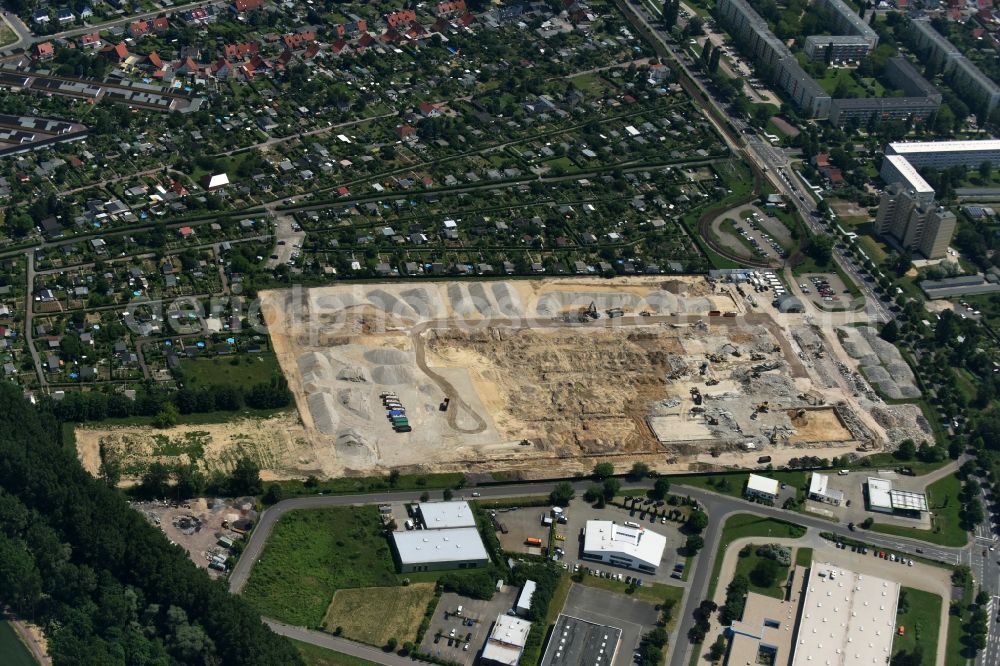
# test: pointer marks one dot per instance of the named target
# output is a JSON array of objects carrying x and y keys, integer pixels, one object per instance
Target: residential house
[
  {"x": 65, "y": 15},
  {"x": 90, "y": 41},
  {"x": 245, "y": 6},
  {"x": 44, "y": 50},
  {"x": 401, "y": 18},
  {"x": 450, "y": 8}
]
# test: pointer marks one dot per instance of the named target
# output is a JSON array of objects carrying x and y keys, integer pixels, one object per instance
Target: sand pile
[{"x": 324, "y": 412}]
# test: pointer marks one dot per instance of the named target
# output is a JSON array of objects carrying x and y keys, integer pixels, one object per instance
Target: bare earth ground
[{"x": 536, "y": 386}]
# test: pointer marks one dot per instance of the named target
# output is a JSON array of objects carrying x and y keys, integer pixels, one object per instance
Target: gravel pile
[
  {"x": 352, "y": 373},
  {"x": 392, "y": 375},
  {"x": 388, "y": 356},
  {"x": 389, "y": 303},
  {"x": 324, "y": 413},
  {"x": 314, "y": 367},
  {"x": 461, "y": 304},
  {"x": 880, "y": 361},
  {"x": 421, "y": 303},
  {"x": 507, "y": 299},
  {"x": 354, "y": 401},
  {"x": 482, "y": 301},
  {"x": 562, "y": 301}
]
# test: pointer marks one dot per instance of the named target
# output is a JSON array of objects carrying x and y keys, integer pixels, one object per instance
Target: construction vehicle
[
  {"x": 444, "y": 404},
  {"x": 696, "y": 395},
  {"x": 590, "y": 312},
  {"x": 645, "y": 313},
  {"x": 763, "y": 407},
  {"x": 615, "y": 312},
  {"x": 712, "y": 420},
  {"x": 711, "y": 382},
  {"x": 703, "y": 367}
]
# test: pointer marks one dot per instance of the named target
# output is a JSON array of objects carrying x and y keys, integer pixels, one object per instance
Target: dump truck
[{"x": 533, "y": 541}]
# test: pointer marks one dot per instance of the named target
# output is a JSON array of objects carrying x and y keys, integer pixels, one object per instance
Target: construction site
[{"x": 505, "y": 374}]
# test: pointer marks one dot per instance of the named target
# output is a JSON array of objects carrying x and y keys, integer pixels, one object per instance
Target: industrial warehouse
[
  {"x": 882, "y": 497},
  {"x": 843, "y": 618},
  {"x": 446, "y": 538},
  {"x": 575, "y": 641},
  {"x": 629, "y": 545}
]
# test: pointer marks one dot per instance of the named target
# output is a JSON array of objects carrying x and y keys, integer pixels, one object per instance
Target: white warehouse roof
[
  {"x": 762, "y": 484},
  {"x": 638, "y": 543},
  {"x": 819, "y": 484},
  {"x": 847, "y": 619},
  {"x": 506, "y": 641},
  {"x": 524, "y": 598},
  {"x": 878, "y": 492},
  {"x": 447, "y": 514},
  {"x": 461, "y": 544}
]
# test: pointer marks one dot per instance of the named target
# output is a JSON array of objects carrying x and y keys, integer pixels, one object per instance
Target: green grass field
[
  {"x": 736, "y": 482},
  {"x": 313, "y": 553},
  {"x": 803, "y": 556},
  {"x": 886, "y": 460},
  {"x": 313, "y": 655},
  {"x": 744, "y": 565},
  {"x": 748, "y": 525},
  {"x": 373, "y": 615},
  {"x": 942, "y": 497},
  {"x": 241, "y": 370},
  {"x": 921, "y": 622}
]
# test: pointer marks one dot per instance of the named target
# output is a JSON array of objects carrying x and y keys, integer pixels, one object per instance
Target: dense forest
[{"x": 107, "y": 587}]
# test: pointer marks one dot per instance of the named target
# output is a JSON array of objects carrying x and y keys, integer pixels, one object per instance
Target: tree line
[
  {"x": 106, "y": 587},
  {"x": 165, "y": 406}
]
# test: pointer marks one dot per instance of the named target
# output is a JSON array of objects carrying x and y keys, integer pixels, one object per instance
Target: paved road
[
  {"x": 719, "y": 507},
  {"x": 341, "y": 645},
  {"x": 29, "y": 330},
  {"x": 772, "y": 162}
]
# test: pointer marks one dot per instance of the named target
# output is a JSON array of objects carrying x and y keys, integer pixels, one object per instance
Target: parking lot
[
  {"x": 633, "y": 617},
  {"x": 522, "y": 524},
  {"x": 852, "y": 485},
  {"x": 579, "y": 512},
  {"x": 826, "y": 290},
  {"x": 448, "y": 627},
  {"x": 288, "y": 238}
]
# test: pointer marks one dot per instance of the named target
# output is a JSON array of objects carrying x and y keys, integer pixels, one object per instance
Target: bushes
[
  {"x": 478, "y": 584},
  {"x": 780, "y": 554},
  {"x": 736, "y": 598}
]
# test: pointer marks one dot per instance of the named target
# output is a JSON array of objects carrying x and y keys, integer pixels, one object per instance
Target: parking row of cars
[
  {"x": 754, "y": 223},
  {"x": 863, "y": 550},
  {"x": 611, "y": 575},
  {"x": 822, "y": 287}
]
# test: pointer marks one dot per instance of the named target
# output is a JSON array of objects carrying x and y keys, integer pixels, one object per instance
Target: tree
[
  {"x": 640, "y": 470},
  {"x": 718, "y": 649},
  {"x": 820, "y": 249},
  {"x": 765, "y": 573},
  {"x": 610, "y": 488},
  {"x": 907, "y": 450},
  {"x": 694, "y": 543},
  {"x": 156, "y": 481},
  {"x": 447, "y": 494},
  {"x": 394, "y": 478},
  {"x": 867, "y": 523},
  {"x": 561, "y": 494},
  {"x": 593, "y": 494},
  {"x": 273, "y": 494},
  {"x": 695, "y": 27},
  {"x": 166, "y": 417},
  {"x": 661, "y": 487},
  {"x": 890, "y": 332},
  {"x": 603, "y": 470},
  {"x": 985, "y": 169},
  {"x": 390, "y": 645},
  {"x": 713, "y": 61},
  {"x": 697, "y": 521},
  {"x": 245, "y": 478},
  {"x": 671, "y": 9},
  {"x": 706, "y": 53}
]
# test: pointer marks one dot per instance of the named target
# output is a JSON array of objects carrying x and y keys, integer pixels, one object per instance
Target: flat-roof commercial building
[
  {"x": 575, "y": 641},
  {"x": 963, "y": 285},
  {"x": 506, "y": 641},
  {"x": 623, "y": 545},
  {"x": 446, "y": 515},
  {"x": 883, "y": 498},
  {"x": 762, "y": 487},
  {"x": 765, "y": 633},
  {"x": 437, "y": 550},
  {"x": 820, "y": 490},
  {"x": 847, "y": 619}
]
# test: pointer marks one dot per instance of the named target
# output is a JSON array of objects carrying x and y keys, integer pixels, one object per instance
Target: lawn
[
  {"x": 921, "y": 622},
  {"x": 373, "y": 615},
  {"x": 804, "y": 557},
  {"x": 313, "y": 553},
  {"x": 744, "y": 565},
  {"x": 833, "y": 76},
  {"x": 243, "y": 370},
  {"x": 314, "y": 655},
  {"x": 733, "y": 484},
  {"x": 887, "y": 460},
  {"x": 748, "y": 525},
  {"x": 942, "y": 497}
]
